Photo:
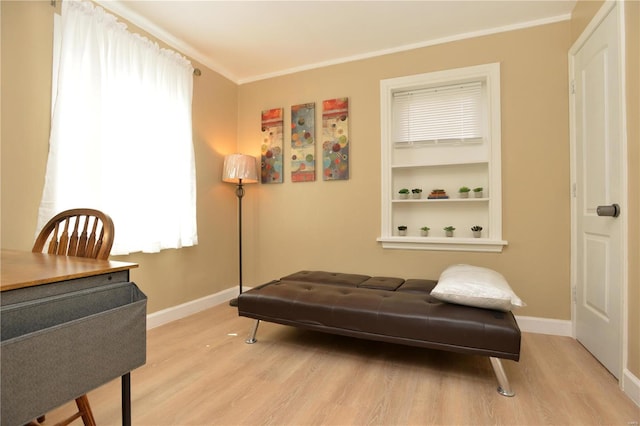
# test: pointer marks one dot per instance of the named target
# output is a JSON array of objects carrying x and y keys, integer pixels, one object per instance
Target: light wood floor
[{"x": 199, "y": 371}]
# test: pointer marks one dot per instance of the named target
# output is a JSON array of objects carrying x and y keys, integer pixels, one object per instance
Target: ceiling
[{"x": 252, "y": 40}]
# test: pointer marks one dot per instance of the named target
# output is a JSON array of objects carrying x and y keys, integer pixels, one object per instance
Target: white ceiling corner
[{"x": 250, "y": 40}]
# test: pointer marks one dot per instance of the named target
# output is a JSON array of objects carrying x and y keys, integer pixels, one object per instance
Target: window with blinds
[{"x": 451, "y": 114}]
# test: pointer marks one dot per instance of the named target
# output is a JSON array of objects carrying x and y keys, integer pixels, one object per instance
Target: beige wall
[
  {"x": 334, "y": 225},
  {"x": 172, "y": 276},
  {"x": 582, "y": 14},
  {"x": 26, "y": 110}
]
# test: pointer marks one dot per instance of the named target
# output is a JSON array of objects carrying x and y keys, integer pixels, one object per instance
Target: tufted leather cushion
[
  {"x": 382, "y": 308},
  {"x": 333, "y": 278}
]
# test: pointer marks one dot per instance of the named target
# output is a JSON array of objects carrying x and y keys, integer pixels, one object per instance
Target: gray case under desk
[{"x": 56, "y": 348}]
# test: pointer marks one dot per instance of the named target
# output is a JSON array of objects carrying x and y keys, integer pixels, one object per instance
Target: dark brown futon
[{"x": 386, "y": 309}]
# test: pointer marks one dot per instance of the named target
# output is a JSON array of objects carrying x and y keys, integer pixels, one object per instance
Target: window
[
  {"x": 121, "y": 132},
  {"x": 440, "y": 132}
]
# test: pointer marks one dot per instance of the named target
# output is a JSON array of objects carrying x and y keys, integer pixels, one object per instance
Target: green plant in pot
[
  {"x": 464, "y": 191},
  {"x": 449, "y": 230},
  {"x": 424, "y": 231},
  {"x": 477, "y": 192},
  {"x": 402, "y": 230},
  {"x": 403, "y": 193},
  {"x": 416, "y": 193},
  {"x": 477, "y": 231}
]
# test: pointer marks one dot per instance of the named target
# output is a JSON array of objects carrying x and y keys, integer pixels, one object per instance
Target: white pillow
[{"x": 476, "y": 286}]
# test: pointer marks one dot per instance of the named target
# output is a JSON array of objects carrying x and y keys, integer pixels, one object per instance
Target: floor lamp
[{"x": 239, "y": 169}]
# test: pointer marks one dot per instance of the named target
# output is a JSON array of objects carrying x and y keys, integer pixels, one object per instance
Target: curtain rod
[{"x": 196, "y": 71}]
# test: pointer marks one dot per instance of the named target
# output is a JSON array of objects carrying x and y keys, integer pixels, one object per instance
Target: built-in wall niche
[{"x": 445, "y": 165}]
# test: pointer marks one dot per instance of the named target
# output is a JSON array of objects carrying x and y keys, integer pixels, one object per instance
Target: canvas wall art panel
[
  {"x": 272, "y": 144},
  {"x": 303, "y": 143},
  {"x": 335, "y": 139}
]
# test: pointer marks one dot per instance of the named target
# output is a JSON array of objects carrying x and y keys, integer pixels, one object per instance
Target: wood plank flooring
[{"x": 199, "y": 371}]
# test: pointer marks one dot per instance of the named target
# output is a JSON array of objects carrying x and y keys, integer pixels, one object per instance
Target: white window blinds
[{"x": 447, "y": 114}]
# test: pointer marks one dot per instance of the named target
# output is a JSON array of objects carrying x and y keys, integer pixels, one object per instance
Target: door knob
[{"x": 613, "y": 210}]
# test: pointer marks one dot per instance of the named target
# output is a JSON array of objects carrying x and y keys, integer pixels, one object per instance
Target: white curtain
[{"x": 121, "y": 138}]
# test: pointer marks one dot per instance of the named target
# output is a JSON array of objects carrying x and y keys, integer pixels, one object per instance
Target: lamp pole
[{"x": 239, "y": 194}]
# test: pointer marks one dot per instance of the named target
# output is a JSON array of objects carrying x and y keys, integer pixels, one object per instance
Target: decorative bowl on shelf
[{"x": 438, "y": 194}]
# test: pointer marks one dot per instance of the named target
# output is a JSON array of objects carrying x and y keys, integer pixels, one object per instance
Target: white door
[{"x": 598, "y": 174}]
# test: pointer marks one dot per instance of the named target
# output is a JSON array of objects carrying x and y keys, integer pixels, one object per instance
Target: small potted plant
[
  {"x": 416, "y": 193},
  {"x": 424, "y": 231},
  {"x": 477, "y": 192},
  {"x": 477, "y": 230},
  {"x": 403, "y": 194},
  {"x": 402, "y": 230},
  {"x": 449, "y": 230},
  {"x": 464, "y": 192}
]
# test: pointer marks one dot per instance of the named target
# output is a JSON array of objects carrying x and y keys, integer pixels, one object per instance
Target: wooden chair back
[
  {"x": 77, "y": 232},
  {"x": 81, "y": 233}
]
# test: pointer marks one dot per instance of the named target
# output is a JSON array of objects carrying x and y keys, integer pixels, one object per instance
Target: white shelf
[
  {"x": 441, "y": 200},
  {"x": 436, "y": 164},
  {"x": 443, "y": 244}
]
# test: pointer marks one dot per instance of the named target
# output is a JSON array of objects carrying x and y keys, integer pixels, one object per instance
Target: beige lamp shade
[{"x": 240, "y": 167}]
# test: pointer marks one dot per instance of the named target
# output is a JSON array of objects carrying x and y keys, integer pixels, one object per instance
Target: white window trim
[{"x": 491, "y": 74}]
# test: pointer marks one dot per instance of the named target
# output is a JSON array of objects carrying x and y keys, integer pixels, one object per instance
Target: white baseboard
[
  {"x": 631, "y": 386},
  {"x": 554, "y": 327},
  {"x": 173, "y": 313}
]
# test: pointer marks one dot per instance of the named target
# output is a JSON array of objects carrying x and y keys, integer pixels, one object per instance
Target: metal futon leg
[
  {"x": 503, "y": 383},
  {"x": 252, "y": 336}
]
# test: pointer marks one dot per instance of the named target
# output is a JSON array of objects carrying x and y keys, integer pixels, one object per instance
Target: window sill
[{"x": 443, "y": 244}]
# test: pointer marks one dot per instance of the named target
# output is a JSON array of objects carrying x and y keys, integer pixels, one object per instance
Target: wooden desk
[
  {"x": 21, "y": 269},
  {"x": 68, "y": 320}
]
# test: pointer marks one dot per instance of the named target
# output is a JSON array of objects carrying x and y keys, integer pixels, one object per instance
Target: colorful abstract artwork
[
  {"x": 272, "y": 141},
  {"x": 303, "y": 143},
  {"x": 335, "y": 139}
]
